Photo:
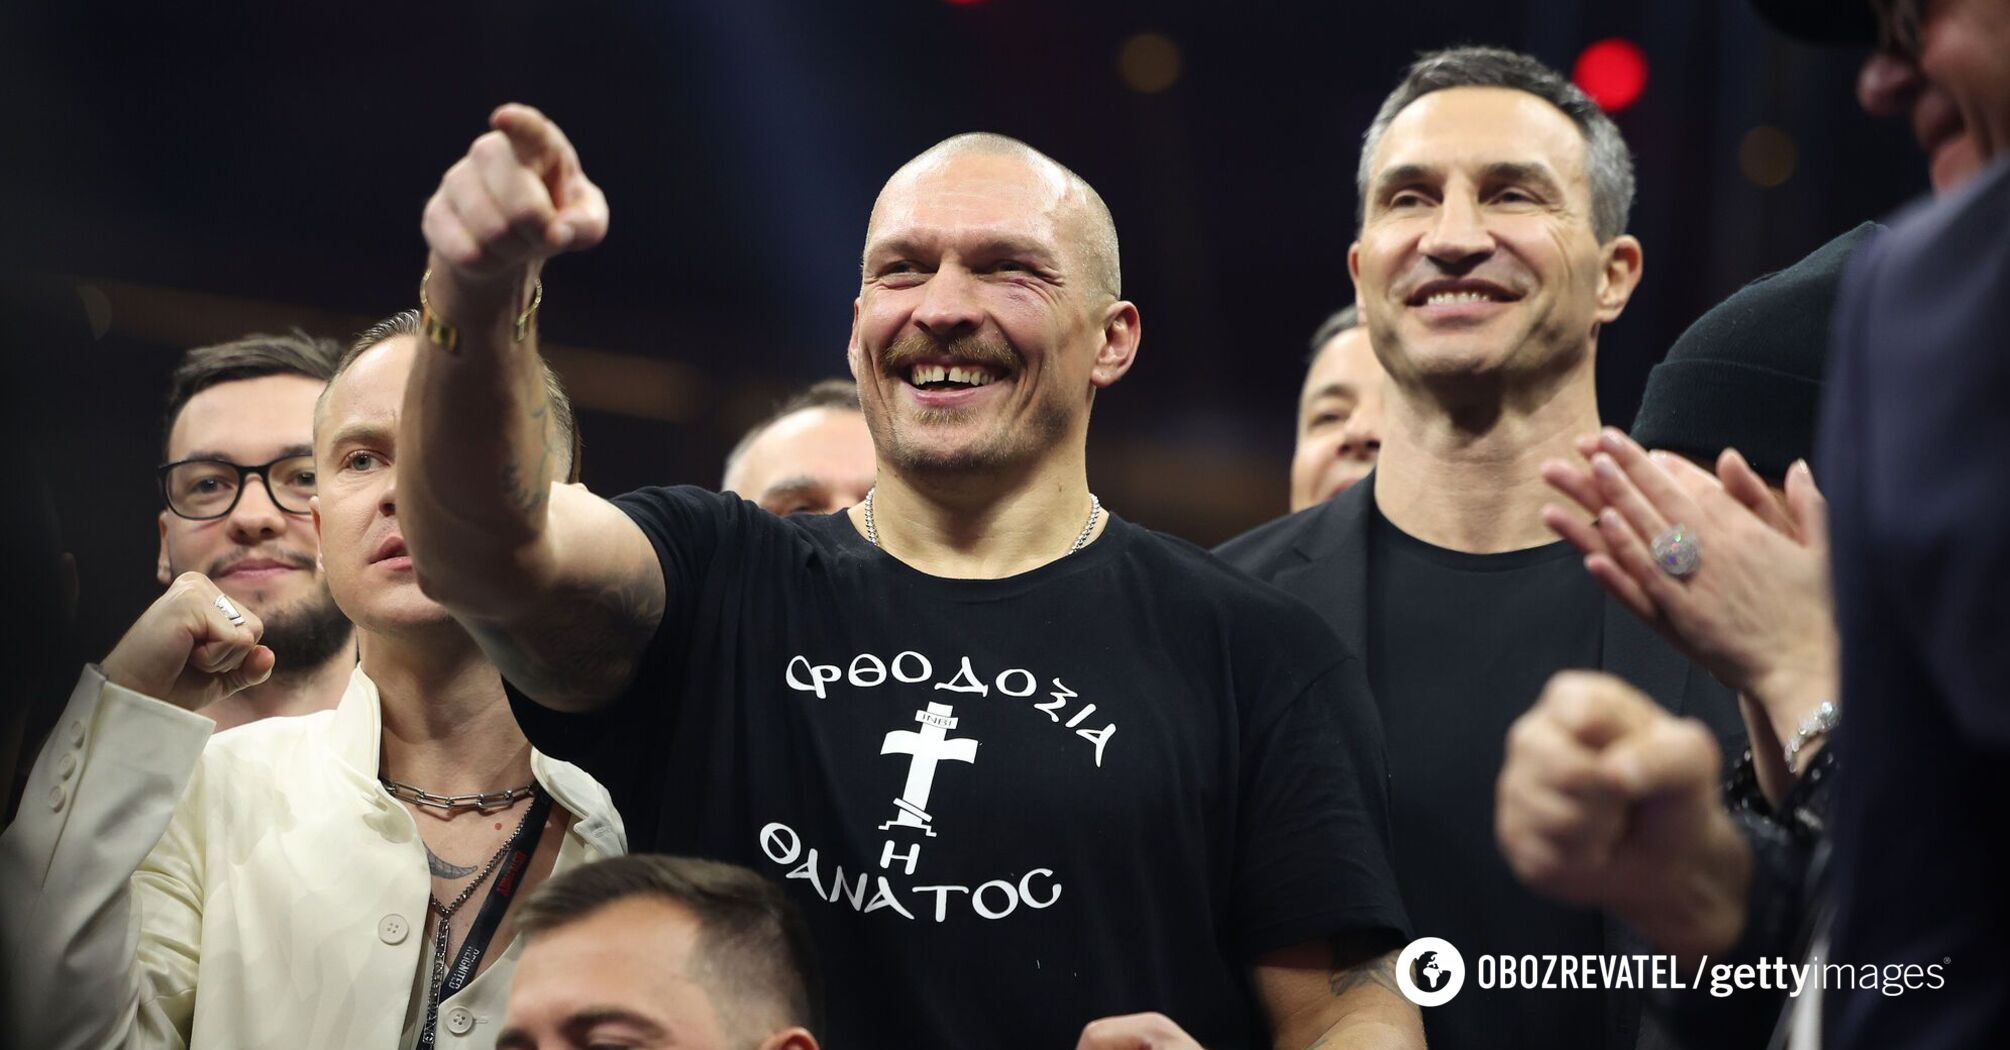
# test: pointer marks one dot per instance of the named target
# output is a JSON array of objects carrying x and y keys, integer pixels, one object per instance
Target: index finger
[
  {"x": 537, "y": 140},
  {"x": 1648, "y": 478}
]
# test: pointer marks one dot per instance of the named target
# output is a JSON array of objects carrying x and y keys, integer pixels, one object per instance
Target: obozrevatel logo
[{"x": 1430, "y": 971}]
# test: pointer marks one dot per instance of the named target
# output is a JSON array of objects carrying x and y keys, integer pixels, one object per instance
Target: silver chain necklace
[
  {"x": 483, "y": 801},
  {"x": 1095, "y": 512}
]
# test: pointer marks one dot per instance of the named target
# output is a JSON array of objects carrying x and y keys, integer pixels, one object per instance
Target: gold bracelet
[{"x": 447, "y": 337}]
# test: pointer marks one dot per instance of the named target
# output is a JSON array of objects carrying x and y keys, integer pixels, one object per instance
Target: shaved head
[{"x": 1083, "y": 221}]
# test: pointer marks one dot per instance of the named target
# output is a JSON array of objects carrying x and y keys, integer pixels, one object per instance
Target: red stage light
[{"x": 1613, "y": 72}]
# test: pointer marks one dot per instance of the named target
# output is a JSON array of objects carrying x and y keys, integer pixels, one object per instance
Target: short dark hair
[
  {"x": 406, "y": 322},
  {"x": 1607, "y": 165},
  {"x": 825, "y": 393},
  {"x": 1344, "y": 319},
  {"x": 753, "y": 943},
  {"x": 252, "y": 357}
]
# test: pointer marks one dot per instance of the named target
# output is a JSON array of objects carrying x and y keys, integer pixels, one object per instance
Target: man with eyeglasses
[
  {"x": 235, "y": 485},
  {"x": 342, "y": 880}
]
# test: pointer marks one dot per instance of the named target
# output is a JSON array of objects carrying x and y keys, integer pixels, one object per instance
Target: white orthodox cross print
[{"x": 928, "y": 746}]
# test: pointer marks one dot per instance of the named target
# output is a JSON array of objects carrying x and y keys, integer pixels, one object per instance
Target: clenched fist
[
  {"x": 185, "y": 650},
  {"x": 1608, "y": 801},
  {"x": 518, "y": 198}
]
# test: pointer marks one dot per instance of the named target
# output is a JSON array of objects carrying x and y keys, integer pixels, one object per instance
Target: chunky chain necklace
[
  {"x": 483, "y": 801},
  {"x": 1095, "y": 512}
]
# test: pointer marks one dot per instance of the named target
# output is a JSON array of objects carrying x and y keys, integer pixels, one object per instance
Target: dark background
[{"x": 180, "y": 174}]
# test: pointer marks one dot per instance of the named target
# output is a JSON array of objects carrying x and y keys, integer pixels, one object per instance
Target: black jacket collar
[{"x": 1333, "y": 548}]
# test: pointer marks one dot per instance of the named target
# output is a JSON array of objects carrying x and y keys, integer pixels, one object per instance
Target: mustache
[
  {"x": 976, "y": 349},
  {"x": 292, "y": 558}
]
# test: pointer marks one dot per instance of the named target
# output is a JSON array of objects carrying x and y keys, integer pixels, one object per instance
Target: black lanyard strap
[{"x": 509, "y": 875}]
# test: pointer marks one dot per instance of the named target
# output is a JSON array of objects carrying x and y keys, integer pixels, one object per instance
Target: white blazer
[{"x": 260, "y": 891}]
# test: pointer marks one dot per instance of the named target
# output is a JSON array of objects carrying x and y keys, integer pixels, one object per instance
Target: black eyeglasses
[{"x": 206, "y": 489}]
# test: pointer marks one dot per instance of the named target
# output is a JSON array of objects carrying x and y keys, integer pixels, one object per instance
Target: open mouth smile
[
  {"x": 1460, "y": 292},
  {"x": 938, "y": 375}
]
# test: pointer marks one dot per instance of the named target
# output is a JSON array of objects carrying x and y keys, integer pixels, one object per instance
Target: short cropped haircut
[
  {"x": 1608, "y": 166},
  {"x": 1098, "y": 246},
  {"x": 253, "y": 357},
  {"x": 828, "y": 393},
  {"x": 406, "y": 322},
  {"x": 1345, "y": 319},
  {"x": 753, "y": 954}
]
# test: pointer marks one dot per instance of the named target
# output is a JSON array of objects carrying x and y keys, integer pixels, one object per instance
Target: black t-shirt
[
  {"x": 1459, "y": 645},
  {"x": 1006, "y": 807}
]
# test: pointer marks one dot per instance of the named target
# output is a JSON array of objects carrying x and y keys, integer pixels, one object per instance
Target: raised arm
[
  {"x": 561, "y": 588},
  {"x": 101, "y": 924}
]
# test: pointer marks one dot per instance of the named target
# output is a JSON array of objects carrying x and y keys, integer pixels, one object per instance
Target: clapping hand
[{"x": 1756, "y": 609}]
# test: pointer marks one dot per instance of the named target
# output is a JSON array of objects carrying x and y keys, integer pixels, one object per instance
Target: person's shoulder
[
  {"x": 690, "y": 505},
  {"x": 268, "y": 743},
  {"x": 677, "y": 501},
  {"x": 1247, "y": 600},
  {"x": 1279, "y": 543},
  {"x": 1921, "y": 300},
  {"x": 1948, "y": 233},
  {"x": 1162, "y": 551},
  {"x": 582, "y": 795}
]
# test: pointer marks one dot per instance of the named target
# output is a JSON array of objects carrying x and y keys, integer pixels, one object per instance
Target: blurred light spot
[
  {"x": 1149, "y": 63},
  {"x": 1766, "y": 155},
  {"x": 1613, "y": 72}
]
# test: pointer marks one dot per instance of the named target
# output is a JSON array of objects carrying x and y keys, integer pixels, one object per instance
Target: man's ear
[
  {"x": 161, "y": 570},
  {"x": 1119, "y": 349},
  {"x": 852, "y": 355},
  {"x": 1619, "y": 276},
  {"x": 790, "y": 1039}
]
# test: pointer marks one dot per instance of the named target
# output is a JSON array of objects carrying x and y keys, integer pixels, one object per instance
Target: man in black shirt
[
  {"x": 1024, "y": 765},
  {"x": 1492, "y": 249}
]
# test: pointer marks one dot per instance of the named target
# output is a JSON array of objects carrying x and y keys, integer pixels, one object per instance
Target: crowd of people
[{"x": 426, "y": 745}]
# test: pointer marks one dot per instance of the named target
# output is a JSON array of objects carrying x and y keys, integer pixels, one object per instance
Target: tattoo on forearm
[
  {"x": 527, "y": 494},
  {"x": 585, "y": 645},
  {"x": 442, "y": 868},
  {"x": 523, "y": 496},
  {"x": 1380, "y": 970}
]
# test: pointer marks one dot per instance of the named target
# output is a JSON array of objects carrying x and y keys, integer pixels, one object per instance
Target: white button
[
  {"x": 66, "y": 767},
  {"x": 76, "y": 734},
  {"x": 460, "y": 1020},
  {"x": 393, "y": 929},
  {"x": 56, "y": 799}
]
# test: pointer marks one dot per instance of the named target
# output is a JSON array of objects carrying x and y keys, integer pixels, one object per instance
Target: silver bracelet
[{"x": 1818, "y": 723}]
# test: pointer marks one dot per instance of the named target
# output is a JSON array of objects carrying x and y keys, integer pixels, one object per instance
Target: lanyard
[{"x": 516, "y": 854}]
